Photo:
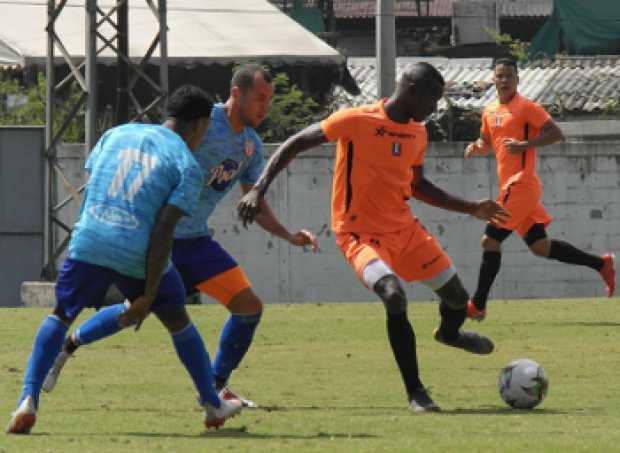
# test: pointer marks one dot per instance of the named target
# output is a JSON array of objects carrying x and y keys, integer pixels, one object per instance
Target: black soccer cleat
[
  {"x": 420, "y": 401},
  {"x": 468, "y": 341}
]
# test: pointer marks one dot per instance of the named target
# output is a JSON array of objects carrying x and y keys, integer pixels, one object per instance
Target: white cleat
[
  {"x": 227, "y": 394},
  {"x": 52, "y": 375},
  {"x": 215, "y": 417},
  {"x": 24, "y": 417}
]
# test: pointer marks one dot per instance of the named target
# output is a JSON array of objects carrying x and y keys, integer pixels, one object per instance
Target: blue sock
[
  {"x": 235, "y": 341},
  {"x": 192, "y": 352},
  {"x": 47, "y": 345},
  {"x": 102, "y": 324}
]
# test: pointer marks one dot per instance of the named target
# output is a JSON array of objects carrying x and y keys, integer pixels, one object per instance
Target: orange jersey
[
  {"x": 373, "y": 172},
  {"x": 520, "y": 119}
]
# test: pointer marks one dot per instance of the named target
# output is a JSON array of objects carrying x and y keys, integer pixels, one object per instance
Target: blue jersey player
[
  {"x": 231, "y": 152},
  {"x": 143, "y": 179}
]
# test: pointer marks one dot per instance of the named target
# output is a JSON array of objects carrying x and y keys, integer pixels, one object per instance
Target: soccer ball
[{"x": 523, "y": 384}]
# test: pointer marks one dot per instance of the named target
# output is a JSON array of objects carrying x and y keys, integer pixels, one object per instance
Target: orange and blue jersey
[{"x": 226, "y": 157}]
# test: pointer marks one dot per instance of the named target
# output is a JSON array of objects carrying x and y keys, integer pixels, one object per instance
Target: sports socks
[
  {"x": 235, "y": 340},
  {"x": 101, "y": 325},
  {"x": 402, "y": 341},
  {"x": 193, "y": 354},
  {"x": 566, "y": 253},
  {"x": 451, "y": 321},
  {"x": 489, "y": 267},
  {"x": 47, "y": 344}
]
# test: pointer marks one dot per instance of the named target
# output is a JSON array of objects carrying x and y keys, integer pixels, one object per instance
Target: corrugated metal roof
[
  {"x": 525, "y": 8},
  {"x": 574, "y": 84},
  {"x": 439, "y": 8}
]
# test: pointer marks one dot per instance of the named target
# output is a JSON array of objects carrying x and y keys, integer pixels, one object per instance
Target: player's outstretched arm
[
  {"x": 308, "y": 138},
  {"x": 270, "y": 223},
  {"x": 160, "y": 246},
  {"x": 429, "y": 193}
]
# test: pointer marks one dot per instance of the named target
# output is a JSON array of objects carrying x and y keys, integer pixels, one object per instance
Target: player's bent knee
[
  {"x": 489, "y": 244},
  {"x": 541, "y": 248},
  {"x": 245, "y": 302},
  {"x": 173, "y": 317},
  {"x": 392, "y": 294},
  {"x": 453, "y": 294}
]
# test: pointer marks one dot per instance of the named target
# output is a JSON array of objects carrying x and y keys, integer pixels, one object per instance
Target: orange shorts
[
  {"x": 413, "y": 254},
  {"x": 223, "y": 287},
  {"x": 522, "y": 201}
]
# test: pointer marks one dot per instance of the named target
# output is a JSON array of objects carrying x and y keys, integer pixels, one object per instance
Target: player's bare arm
[
  {"x": 269, "y": 222},
  {"x": 550, "y": 133},
  {"x": 429, "y": 193},
  {"x": 481, "y": 147},
  {"x": 308, "y": 138},
  {"x": 160, "y": 246}
]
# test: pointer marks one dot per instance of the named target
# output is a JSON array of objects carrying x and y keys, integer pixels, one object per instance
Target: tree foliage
[{"x": 290, "y": 111}]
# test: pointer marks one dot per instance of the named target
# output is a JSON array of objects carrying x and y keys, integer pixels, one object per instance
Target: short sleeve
[
  {"x": 256, "y": 166},
  {"x": 536, "y": 115},
  {"x": 420, "y": 144},
  {"x": 484, "y": 126},
  {"x": 94, "y": 155},
  {"x": 186, "y": 193},
  {"x": 338, "y": 124}
]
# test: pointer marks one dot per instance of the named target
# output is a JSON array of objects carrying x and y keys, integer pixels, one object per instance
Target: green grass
[{"x": 328, "y": 373}]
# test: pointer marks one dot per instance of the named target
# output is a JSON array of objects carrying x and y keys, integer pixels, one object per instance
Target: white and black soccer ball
[{"x": 523, "y": 384}]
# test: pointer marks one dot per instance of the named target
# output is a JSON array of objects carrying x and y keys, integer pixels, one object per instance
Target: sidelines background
[{"x": 582, "y": 192}]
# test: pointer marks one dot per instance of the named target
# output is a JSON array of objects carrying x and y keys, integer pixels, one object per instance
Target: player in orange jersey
[
  {"x": 379, "y": 166},
  {"x": 513, "y": 127}
]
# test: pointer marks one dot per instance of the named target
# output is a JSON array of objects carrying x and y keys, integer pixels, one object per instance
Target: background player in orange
[
  {"x": 379, "y": 166},
  {"x": 513, "y": 126}
]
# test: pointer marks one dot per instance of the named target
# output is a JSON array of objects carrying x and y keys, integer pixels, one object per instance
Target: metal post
[
  {"x": 91, "y": 76},
  {"x": 386, "y": 48},
  {"x": 163, "y": 56},
  {"x": 49, "y": 270},
  {"x": 122, "y": 68}
]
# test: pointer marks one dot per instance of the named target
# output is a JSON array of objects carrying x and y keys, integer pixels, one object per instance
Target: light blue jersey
[
  {"x": 135, "y": 170},
  {"x": 225, "y": 157}
]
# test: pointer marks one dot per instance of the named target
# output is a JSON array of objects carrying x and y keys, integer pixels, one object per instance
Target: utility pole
[{"x": 386, "y": 48}]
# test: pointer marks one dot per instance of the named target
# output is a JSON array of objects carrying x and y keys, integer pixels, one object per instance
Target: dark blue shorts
[
  {"x": 200, "y": 259},
  {"x": 82, "y": 285}
]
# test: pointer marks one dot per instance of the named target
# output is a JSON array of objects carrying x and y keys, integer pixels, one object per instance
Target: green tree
[
  {"x": 518, "y": 49},
  {"x": 25, "y": 106},
  {"x": 290, "y": 111}
]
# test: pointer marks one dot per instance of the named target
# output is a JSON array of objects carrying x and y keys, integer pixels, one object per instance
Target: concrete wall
[{"x": 582, "y": 192}]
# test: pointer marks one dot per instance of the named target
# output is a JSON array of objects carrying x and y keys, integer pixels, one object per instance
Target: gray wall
[
  {"x": 21, "y": 209},
  {"x": 582, "y": 192}
]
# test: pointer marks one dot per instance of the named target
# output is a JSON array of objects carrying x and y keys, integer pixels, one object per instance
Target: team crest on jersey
[
  {"x": 396, "y": 149},
  {"x": 498, "y": 120},
  {"x": 250, "y": 147},
  {"x": 222, "y": 174}
]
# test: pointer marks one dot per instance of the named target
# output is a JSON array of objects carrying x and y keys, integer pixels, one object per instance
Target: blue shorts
[
  {"x": 200, "y": 259},
  {"x": 81, "y": 284}
]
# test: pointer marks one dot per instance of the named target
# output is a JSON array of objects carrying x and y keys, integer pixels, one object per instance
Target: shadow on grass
[
  {"x": 567, "y": 323},
  {"x": 494, "y": 410},
  {"x": 228, "y": 433}
]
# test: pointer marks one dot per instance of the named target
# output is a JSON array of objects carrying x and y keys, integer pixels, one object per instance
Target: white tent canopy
[{"x": 205, "y": 31}]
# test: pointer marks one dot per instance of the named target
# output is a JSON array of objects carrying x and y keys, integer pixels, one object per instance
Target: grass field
[{"x": 327, "y": 375}]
